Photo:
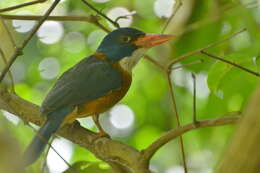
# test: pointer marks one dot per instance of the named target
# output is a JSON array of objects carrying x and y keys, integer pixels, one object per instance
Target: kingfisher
[{"x": 93, "y": 85}]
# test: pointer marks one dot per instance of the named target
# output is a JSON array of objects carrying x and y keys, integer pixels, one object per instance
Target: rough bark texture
[
  {"x": 243, "y": 155},
  {"x": 121, "y": 157}
]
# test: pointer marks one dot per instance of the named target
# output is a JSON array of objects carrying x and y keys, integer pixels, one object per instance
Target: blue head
[
  {"x": 120, "y": 43},
  {"x": 127, "y": 45}
]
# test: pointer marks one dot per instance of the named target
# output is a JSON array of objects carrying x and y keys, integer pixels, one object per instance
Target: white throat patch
[{"x": 128, "y": 63}]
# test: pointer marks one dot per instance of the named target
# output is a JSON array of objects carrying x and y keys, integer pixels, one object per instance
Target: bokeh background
[{"x": 146, "y": 112}]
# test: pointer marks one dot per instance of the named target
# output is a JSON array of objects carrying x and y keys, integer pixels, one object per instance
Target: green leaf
[{"x": 216, "y": 73}]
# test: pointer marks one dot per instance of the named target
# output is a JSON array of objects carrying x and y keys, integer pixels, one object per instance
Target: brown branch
[
  {"x": 86, "y": 18},
  {"x": 9, "y": 72},
  {"x": 177, "y": 6},
  {"x": 8, "y": 33},
  {"x": 198, "y": 51},
  {"x": 194, "y": 98},
  {"x": 187, "y": 65},
  {"x": 21, "y": 5},
  {"x": 231, "y": 63},
  {"x": 157, "y": 64},
  {"x": 172, "y": 134},
  {"x": 101, "y": 14},
  {"x": 120, "y": 156},
  {"x": 18, "y": 51},
  {"x": 177, "y": 118},
  {"x": 105, "y": 149}
]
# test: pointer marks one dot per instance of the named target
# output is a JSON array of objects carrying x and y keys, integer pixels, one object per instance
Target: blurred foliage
[
  {"x": 87, "y": 167},
  {"x": 229, "y": 87}
]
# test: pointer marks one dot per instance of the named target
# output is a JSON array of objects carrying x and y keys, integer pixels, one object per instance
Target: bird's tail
[{"x": 39, "y": 142}]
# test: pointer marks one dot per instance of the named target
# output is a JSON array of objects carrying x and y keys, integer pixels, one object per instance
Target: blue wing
[{"x": 90, "y": 79}]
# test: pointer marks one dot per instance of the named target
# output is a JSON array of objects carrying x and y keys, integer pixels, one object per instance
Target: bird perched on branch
[{"x": 93, "y": 85}]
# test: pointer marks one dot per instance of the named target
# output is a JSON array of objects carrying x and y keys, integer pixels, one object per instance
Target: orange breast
[{"x": 102, "y": 104}]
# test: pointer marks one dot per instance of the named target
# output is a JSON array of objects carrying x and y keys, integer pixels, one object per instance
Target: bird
[{"x": 93, "y": 85}]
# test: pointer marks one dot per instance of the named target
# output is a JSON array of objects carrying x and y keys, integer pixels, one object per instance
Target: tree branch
[
  {"x": 178, "y": 59},
  {"x": 18, "y": 50},
  {"x": 120, "y": 156},
  {"x": 105, "y": 149},
  {"x": 243, "y": 154},
  {"x": 21, "y": 5},
  {"x": 172, "y": 134},
  {"x": 101, "y": 14},
  {"x": 86, "y": 18}
]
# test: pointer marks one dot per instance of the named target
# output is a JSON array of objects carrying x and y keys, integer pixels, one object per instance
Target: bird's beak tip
[{"x": 151, "y": 40}]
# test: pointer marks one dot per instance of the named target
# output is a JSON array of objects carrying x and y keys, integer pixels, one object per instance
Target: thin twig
[
  {"x": 178, "y": 120},
  {"x": 231, "y": 63},
  {"x": 177, "y": 6},
  {"x": 105, "y": 149},
  {"x": 172, "y": 134},
  {"x": 21, "y": 5},
  {"x": 44, "y": 164},
  {"x": 187, "y": 65},
  {"x": 147, "y": 57},
  {"x": 9, "y": 72},
  {"x": 50, "y": 146},
  {"x": 8, "y": 33},
  {"x": 198, "y": 51},
  {"x": 87, "y": 18},
  {"x": 101, "y": 14},
  {"x": 125, "y": 16},
  {"x": 194, "y": 98},
  {"x": 18, "y": 50}
]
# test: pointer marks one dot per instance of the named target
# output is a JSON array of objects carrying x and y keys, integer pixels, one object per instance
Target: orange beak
[{"x": 151, "y": 40}]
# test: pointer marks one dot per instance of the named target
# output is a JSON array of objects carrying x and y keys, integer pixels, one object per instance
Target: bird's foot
[{"x": 102, "y": 133}]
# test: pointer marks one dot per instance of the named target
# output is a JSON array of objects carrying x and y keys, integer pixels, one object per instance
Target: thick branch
[
  {"x": 243, "y": 154},
  {"x": 156, "y": 145},
  {"x": 106, "y": 149},
  {"x": 118, "y": 155}
]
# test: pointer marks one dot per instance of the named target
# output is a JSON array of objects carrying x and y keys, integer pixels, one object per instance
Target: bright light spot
[
  {"x": 119, "y": 12},
  {"x": 153, "y": 168},
  {"x": 240, "y": 41},
  {"x": 175, "y": 169},
  {"x": 86, "y": 122},
  {"x": 50, "y": 32},
  {"x": 201, "y": 160},
  {"x": 18, "y": 71},
  {"x": 11, "y": 117},
  {"x": 202, "y": 85},
  {"x": 74, "y": 42},
  {"x": 94, "y": 38},
  {"x": 54, "y": 162},
  {"x": 256, "y": 14},
  {"x": 226, "y": 28},
  {"x": 182, "y": 77},
  {"x": 121, "y": 116},
  {"x": 219, "y": 94},
  {"x": 100, "y": 1},
  {"x": 164, "y": 8},
  {"x": 23, "y": 26},
  {"x": 179, "y": 76},
  {"x": 49, "y": 68},
  {"x": 206, "y": 170}
]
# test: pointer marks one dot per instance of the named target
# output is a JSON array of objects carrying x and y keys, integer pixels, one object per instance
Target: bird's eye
[{"x": 125, "y": 39}]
